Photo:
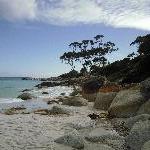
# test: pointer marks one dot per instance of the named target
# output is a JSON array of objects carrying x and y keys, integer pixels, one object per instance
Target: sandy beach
[{"x": 38, "y": 132}]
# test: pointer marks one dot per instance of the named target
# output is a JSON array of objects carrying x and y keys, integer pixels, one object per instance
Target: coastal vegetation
[{"x": 92, "y": 55}]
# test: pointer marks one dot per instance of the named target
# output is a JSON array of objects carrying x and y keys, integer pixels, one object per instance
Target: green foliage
[
  {"x": 143, "y": 43},
  {"x": 88, "y": 52},
  {"x": 71, "y": 74}
]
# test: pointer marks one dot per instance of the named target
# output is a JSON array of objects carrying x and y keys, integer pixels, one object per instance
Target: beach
[
  {"x": 70, "y": 119},
  {"x": 24, "y": 126},
  {"x": 38, "y": 132}
]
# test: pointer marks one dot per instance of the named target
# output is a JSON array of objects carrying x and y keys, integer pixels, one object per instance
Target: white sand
[{"x": 37, "y": 132}]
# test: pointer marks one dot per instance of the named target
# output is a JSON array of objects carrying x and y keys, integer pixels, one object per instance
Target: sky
[{"x": 35, "y": 33}]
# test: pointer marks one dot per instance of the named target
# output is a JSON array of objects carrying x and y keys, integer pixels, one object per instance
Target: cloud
[
  {"x": 13, "y": 10},
  {"x": 116, "y": 13}
]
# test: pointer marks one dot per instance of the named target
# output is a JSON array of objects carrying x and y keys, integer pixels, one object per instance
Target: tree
[
  {"x": 89, "y": 52},
  {"x": 143, "y": 43}
]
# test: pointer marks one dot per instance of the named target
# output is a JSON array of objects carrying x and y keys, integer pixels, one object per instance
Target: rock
[
  {"x": 146, "y": 146},
  {"x": 42, "y": 111},
  {"x": 45, "y": 93},
  {"x": 116, "y": 144},
  {"x": 74, "y": 101},
  {"x": 90, "y": 97},
  {"x": 101, "y": 134},
  {"x": 139, "y": 134},
  {"x": 26, "y": 96},
  {"x": 55, "y": 110},
  {"x": 52, "y": 102},
  {"x": 51, "y": 84},
  {"x": 72, "y": 139},
  {"x": 26, "y": 90},
  {"x": 145, "y": 88},
  {"x": 58, "y": 110},
  {"x": 126, "y": 103},
  {"x": 103, "y": 100},
  {"x": 145, "y": 108},
  {"x": 92, "y": 86},
  {"x": 110, "y": 87},
  {"x": 63, "y": 94},
  {"x": 95, "y": 146},
  {"x": 118, "y": 125},
  {"x": 14, "y": 110},
  {"x": 131, "y": 121},
  {"x": 76, "y": 91}
]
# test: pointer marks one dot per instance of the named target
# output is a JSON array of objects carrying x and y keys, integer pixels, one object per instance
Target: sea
[{"x": 11, "y": 87}]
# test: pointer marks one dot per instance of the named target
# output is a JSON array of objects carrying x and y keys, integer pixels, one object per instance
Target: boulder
[
  {"x": 72, "y": 139},
  {"x": 145, "y": 88},
  {"x": 92, "y": 86},
  {"x": 146, "y": 146},
  {"x": 101, "y": 134},
  {"x": 103, "y": 100},
  {"x": 126, "y": 103},
  {"x": 139, "y": 134},
  {"x": 131, "y": 121},
  {"x": 99, "y": 146},
  {"x": 74, "y": 101},
  {"x": 90, "y": 97},
  {"x": 58, "y": 110},
  {"x": 26, "y": 96},
  {"x": 145, "y": 108}
]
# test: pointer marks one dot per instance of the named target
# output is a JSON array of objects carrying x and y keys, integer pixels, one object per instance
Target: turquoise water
[{"x": 12, "y": 87}]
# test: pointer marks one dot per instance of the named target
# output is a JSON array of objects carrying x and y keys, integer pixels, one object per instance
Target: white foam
[
  {"x": 53, "y": 91},
  {"x": 10, "y": 100}
]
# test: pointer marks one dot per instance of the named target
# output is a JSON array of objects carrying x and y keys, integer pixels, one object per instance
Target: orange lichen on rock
[{"x": 110, "y": 88}]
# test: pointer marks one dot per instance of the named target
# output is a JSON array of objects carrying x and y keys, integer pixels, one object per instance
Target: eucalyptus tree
[{"x": 89, "y": 52}]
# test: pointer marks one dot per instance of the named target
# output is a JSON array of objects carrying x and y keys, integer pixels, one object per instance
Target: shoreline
[{"x": 108, "y": 119}]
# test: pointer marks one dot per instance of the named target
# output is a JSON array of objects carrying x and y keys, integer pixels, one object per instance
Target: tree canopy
[
  {"x": 88, "y": 52},
  {"x": 143, "y": 43}
]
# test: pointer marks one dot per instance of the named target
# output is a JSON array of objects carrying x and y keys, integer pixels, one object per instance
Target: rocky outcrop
[
  {"x": 146, "y": 146},
  {"x": 52, "y": 84},
  {"x": 126, "y": 103},
  {"x": 145, "y": 108},
  {"x": 26, "y": 96},
  {"x": 74, "y": 101},
  {"x": 72, "y": 139},
  {"x": 139, "y": 134},
  {"x": 131, "y": 121},
  {"x": 145, "y": 88},
  {"x": 103, "y": 100}
]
